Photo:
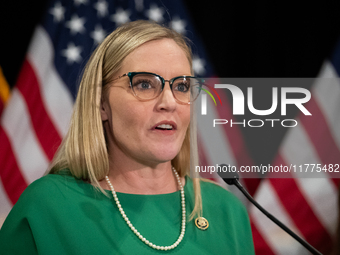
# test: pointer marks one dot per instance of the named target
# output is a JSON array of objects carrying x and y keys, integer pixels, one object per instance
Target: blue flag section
[
  {"x": 335, "y": 59},
  {"x": 76, "y": 27}
]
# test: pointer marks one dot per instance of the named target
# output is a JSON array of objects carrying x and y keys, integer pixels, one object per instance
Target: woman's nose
[{"x": 167, "y": 100}]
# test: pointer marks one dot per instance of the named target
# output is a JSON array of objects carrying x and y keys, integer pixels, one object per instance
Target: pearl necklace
[{"x": 134, "y": 230}]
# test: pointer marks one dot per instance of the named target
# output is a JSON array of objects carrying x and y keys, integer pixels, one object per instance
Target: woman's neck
[{"x": 139, "y": 178}]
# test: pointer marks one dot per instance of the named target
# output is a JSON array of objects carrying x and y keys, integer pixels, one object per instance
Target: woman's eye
[
  {"x": 142, "y": 85},
  {"x": 182, "y": 87}
]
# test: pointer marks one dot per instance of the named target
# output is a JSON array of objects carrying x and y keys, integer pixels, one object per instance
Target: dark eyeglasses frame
[{"x": 171, "y": 81}]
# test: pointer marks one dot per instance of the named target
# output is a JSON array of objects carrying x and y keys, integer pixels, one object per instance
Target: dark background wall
[{"x": 242, "y": 39}]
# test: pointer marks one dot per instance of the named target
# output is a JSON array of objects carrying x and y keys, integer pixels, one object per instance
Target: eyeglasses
[{"x": 147, "y": 86}]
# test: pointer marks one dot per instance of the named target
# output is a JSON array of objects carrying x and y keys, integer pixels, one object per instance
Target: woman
[{"x": 119, "y": 182}]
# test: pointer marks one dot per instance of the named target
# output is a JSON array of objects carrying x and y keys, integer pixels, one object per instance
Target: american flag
[
  {"x": 37, "y": 115},
  {"x": 309, "y": 206}
]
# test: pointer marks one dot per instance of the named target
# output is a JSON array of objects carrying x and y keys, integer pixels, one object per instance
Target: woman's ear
[{"x": 104, "y": 109}]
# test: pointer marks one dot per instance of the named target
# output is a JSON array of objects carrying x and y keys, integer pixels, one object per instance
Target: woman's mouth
[{"x": 164, "y": 127}]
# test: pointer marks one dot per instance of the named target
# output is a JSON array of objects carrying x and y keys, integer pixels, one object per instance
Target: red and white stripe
[
  {"x": 225, "y": 145},
  {"x": 33, "y": 123},
  {"x": 56, "y": 97},
  {"x": 306, "y": 205}
]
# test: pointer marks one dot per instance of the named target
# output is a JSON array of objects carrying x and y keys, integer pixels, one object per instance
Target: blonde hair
[{"x": 83, "y": 150}]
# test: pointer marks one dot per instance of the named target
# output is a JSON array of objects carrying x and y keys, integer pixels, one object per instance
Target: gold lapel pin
[{"x": 202, "y": 223}]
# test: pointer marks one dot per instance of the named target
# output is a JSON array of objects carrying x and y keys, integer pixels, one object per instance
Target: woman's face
[{"x": 133, "y": 127}]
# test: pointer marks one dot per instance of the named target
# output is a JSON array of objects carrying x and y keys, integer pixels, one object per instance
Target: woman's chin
[{"x": 164, "y": 155}]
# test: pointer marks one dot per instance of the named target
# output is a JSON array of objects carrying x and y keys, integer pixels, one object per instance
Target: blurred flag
[
  {"x": 307, "y": 205},
  {"x": 37, "y": 116},
  {"x": 4, "y": 97}
]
